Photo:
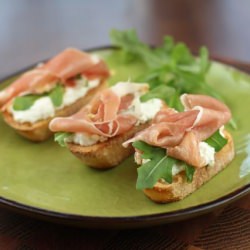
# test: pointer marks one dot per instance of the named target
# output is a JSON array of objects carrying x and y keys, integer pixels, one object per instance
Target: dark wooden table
[{"x": 33, "y": 30}]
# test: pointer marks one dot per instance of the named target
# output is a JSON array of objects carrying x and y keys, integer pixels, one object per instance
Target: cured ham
[
  {"x": 33, "y": 81},
  {"x": 103, "y": 116},
  {"x": 180, "y": 133},
  {"x": 72, "y": 62},
  {"x": 99, "y": 69},
  {"x": 69, "y": 63}
]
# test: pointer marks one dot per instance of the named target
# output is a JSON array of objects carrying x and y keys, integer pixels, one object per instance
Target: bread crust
[
  {"x": 180, "y": 188},
  {"x": 106, "y": 154},
  {"x": 39, "y": 131}
]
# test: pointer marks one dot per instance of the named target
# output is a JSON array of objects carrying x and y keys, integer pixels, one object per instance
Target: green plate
[{"x": 47, "y": 181}]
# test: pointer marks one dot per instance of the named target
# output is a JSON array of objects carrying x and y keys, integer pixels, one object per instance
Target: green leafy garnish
[
  {"x": 162, "y": 92},
  {"x": 147, "y": 149},
  {"x": 56, "y": 95},
  {"x": 159, "y": 165},
  {"x": 132, "y": 47},
  {"x": 171, "y": 64},
  {"x": 168, "y": 63},
  {"x": 24, "y": 102},
  {"x": 165, "y": 93},
  {"x": 189, "y": 170},
  {"x": 217, "y": 141},
  {"x": 61, "y": 137}
]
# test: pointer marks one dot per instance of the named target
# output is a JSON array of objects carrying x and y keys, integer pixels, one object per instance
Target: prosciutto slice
[
  {"x": 62, "y": 67},
  {"x": 33, "y": 81},
  {"x": 102, "y": 116},
  {"x": 72, "y": 62},
  {"x": 181, "y": 133}
]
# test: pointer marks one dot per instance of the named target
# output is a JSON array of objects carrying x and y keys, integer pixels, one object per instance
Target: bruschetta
[
  {"x": 95, "y": 133},
  {"x": 180, "y": 151},
  {"x": 59, "y": 87}
]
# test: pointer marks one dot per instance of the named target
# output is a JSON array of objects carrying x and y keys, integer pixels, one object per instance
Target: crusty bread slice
[
  {"x": 106, "y": 154},
  {"x": 39, "y": 130},
  {"x": 180, "y": 188}
]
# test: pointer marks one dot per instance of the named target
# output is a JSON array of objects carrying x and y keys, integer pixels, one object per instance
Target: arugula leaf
[
  {"x": 159, "y": 166},
  {"x": 217, "y": 141},
  {"x": 233, "y": 124},
  {"x": 145, "y": 148},
  {"x": 132, "y": 47},
  {"x": 180, "y": 55},
  {"x": 204, "y": 60},
  {"x": 175, "y": 102},
  {"x": 56, "y": 95},
  {"x": 171, "y": 64},
  {"x": 24, "y": 102},
  {"x": 189, "y": 170},
  {"x": 61, "y": 137},
  {"x": 162, "y": 92}
]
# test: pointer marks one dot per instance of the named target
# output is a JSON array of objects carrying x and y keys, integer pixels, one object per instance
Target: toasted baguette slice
[
  {"x": 106, "y": 154},
  {"x": 180, "y": 188},
  {"x": 39, "y": 130}
]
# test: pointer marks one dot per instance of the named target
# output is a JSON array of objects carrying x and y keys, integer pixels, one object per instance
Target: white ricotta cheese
[
  {"x": 85, "y": 139},
  {"x": 125, "y": 88},
  {"x": 207, "y": 153},
  {"x": 177, "y": 168},
  {"x": 41, "y": 109},
  {"x": 149, "y": 109},
  {"x": 144, "y": 111},
  {"x": 221, "y": 131},
  {"x": 144, "y": 161},
  {"x": 79, "y": 90},
  {"x": 95, "y": 59}
]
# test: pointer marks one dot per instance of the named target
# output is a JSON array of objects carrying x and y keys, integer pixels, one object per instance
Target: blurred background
[{"x": 33, "y": 30}]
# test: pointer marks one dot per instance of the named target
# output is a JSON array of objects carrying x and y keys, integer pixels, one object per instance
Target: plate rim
[
  {"x": 120, "y": 221},
  {"x": 129, "y": 221}
]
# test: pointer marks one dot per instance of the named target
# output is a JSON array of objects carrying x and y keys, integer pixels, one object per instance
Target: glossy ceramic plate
[{"x": 46, "y": 181}]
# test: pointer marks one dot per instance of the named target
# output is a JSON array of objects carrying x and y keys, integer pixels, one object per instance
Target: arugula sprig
[
  {"x": 217, "y": 141},
  {"x": 56, "y": 95},
  {"x": 171, "y": 64},
  {"x": 160, "y": 165},
  {"x": 168, "y": 94},
  {"x": 170, "y": 61},
  {"x": 25, "y": 102},
  {"x": 61, "y": 138}
]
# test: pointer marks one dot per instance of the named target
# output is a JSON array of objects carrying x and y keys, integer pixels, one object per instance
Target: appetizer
[
  {"x": 180, "y": 151},
  {"x": 59, "y": 87},
  {"x": 95, "y": 133}
]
